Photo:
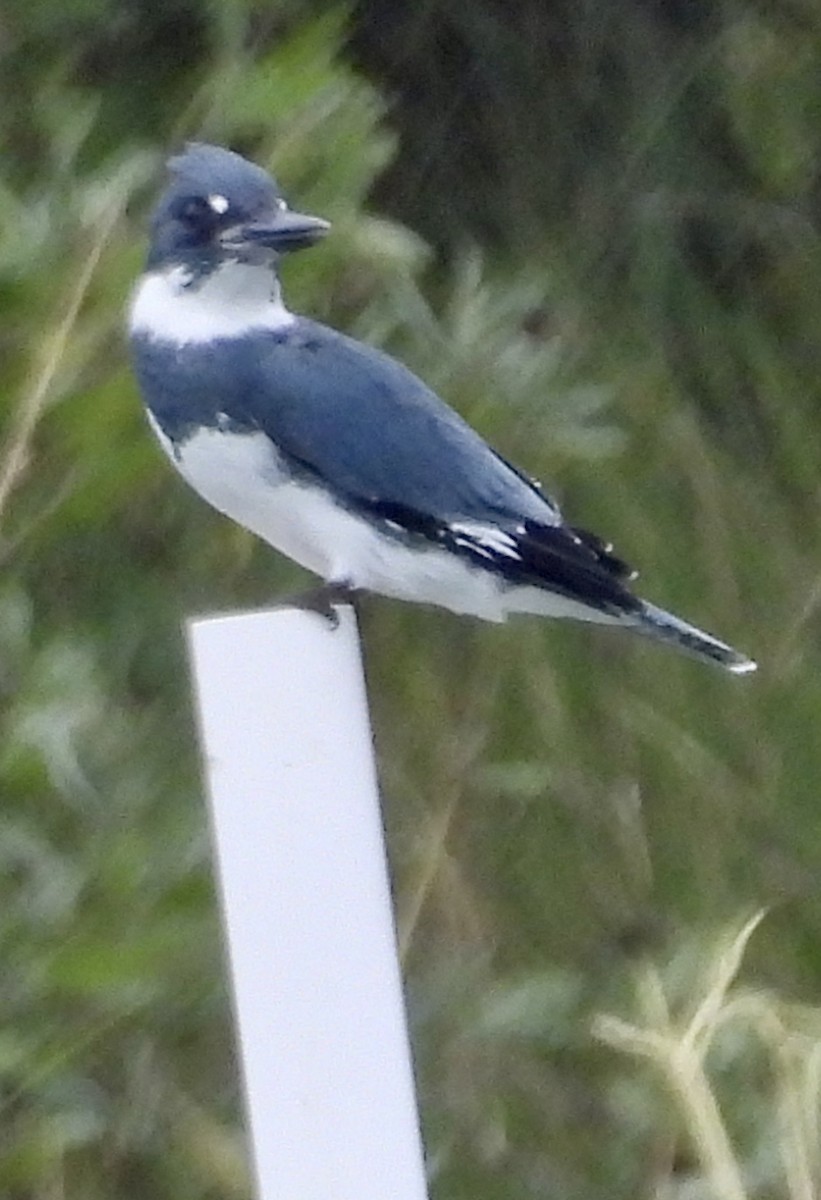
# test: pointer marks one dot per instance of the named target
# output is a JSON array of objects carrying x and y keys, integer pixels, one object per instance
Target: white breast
[
  {"x": 240, "y": 474},
  {"x": 235, "y": 299}
]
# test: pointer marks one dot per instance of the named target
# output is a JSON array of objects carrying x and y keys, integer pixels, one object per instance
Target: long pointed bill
[{"x": 284, "y": 231}]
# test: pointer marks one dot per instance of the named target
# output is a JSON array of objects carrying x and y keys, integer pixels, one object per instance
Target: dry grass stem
[
  {"x": 679, "y": 1050},
  {"x": 17, "y": 451}
]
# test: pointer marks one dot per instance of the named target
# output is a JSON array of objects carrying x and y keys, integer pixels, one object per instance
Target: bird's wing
[
  {"x": 370, "y": 429},
  {"x": 360, "y": 423}
]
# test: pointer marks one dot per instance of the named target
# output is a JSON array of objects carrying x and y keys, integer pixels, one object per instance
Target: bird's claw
[{"x": 322, "y": 600}]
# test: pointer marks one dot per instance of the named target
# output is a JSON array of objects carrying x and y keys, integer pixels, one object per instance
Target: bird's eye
[{"x": 196, "y": 212}]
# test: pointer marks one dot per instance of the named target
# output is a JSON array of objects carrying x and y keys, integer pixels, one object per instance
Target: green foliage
[{"x": 568, "y": 811}]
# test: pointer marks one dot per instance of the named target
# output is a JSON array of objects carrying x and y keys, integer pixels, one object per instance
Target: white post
[{"x": 307, "y": 908}]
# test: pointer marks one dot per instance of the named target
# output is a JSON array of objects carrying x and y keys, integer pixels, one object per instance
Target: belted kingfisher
[{"x": 333, "y": 452}]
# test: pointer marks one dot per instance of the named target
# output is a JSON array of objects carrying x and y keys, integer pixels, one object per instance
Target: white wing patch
[{"x": 488, "y": 540}]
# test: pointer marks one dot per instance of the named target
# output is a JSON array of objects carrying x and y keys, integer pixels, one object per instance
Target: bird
[{"x": 335, "y": 453}]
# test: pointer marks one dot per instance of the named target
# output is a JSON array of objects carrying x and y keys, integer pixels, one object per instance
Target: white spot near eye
[
  {"x": 282, "y": 205},
  {"x": 218, "y": 203}
]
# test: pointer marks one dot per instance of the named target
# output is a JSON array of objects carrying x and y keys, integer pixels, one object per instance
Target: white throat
[{"x": 232, "y": 301}]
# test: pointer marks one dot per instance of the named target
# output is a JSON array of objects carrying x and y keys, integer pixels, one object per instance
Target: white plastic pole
[{"x": 307, "y": 908}]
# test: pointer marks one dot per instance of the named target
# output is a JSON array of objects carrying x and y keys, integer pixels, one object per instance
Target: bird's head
[{"x": 220, "y": 208}]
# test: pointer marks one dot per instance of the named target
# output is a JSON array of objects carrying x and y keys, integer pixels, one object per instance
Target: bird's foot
[{"x": 323, "y": 599}]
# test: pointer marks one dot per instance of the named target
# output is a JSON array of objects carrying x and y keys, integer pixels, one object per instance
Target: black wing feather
[{"x": 555, "y": 558}]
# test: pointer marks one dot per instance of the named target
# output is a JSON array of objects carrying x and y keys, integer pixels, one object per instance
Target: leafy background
[{"x": 595, "y": 228}]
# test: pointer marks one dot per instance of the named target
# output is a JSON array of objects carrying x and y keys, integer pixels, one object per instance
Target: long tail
[{"x": 662, "y": 626}]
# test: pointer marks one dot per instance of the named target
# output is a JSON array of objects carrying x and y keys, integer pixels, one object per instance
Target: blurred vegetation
[{"x": 594, "y": 227}]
